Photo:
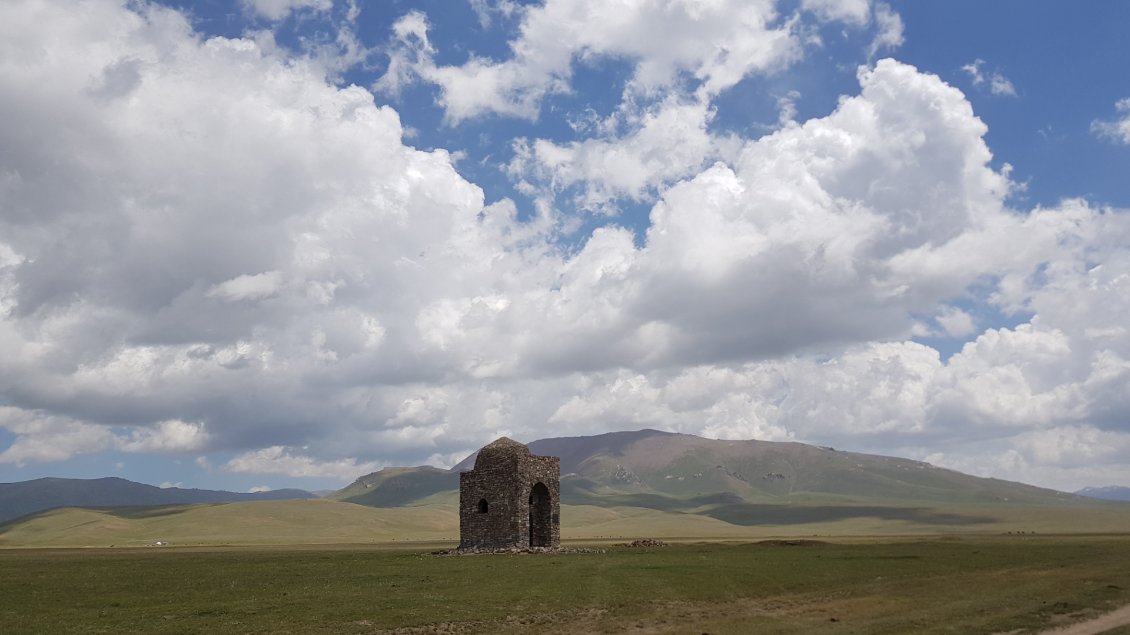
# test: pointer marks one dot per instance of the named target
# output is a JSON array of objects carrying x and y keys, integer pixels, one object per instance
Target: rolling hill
[
  {"x": 324, "y": 522},
  {"x": 399, "y": 486},
  {"x": 754, "y": 484},
  {"x": 28, "y": 497},
  {"x": 287, "y": 522},
  {"x": 668, "y": 471},
  {"x": 614, "y": 486}
]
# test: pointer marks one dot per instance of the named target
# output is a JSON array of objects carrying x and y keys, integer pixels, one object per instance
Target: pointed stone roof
[{"x": 501, "y": 449}]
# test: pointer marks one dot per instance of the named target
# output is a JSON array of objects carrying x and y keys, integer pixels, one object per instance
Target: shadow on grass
[
  {"x": 120, "y": 512},
  {"x": 403, "y": 489},
  {"x": 732, "y": 509},
  {"x": 146, "y": 512},
  {"x": 750, "y": 514},
  {"x": 574, "y": 493}
]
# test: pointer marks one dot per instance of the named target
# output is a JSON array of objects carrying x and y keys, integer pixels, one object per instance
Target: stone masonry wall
[{"x": 522, "y": 495}]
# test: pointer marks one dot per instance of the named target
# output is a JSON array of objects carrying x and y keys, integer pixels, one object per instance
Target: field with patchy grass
[{"x": 1015, "y": 584}]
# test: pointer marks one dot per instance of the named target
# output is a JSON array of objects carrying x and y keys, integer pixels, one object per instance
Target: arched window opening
[{"x": 483, "y": 506}]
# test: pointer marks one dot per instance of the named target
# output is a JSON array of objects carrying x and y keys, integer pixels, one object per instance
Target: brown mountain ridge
[{"x": 740, "y": 482}]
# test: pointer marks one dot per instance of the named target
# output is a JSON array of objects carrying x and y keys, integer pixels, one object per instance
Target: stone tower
[{"x": 511, "y": 499}]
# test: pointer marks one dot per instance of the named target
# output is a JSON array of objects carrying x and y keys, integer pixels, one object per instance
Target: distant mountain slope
[
  {"x": 1110, "y": 493},
  {"x": 633, "y": 465},
  {"x": 736, "y": 481},
  {"x": 620, "y": 484},
  {"x": 398, "y": 486},
  {"x": 28, "y": 497}
]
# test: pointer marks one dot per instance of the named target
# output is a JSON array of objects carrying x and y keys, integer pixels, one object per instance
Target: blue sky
[{"x": 282, "y": 243}]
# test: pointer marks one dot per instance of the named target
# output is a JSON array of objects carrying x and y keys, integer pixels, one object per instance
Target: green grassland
[
  {"x": 1005, "y": 584},
  {"x": 435, "y": 519}
]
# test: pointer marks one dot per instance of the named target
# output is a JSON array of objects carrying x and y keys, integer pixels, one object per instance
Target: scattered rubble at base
[
  {"x": 481, "y": 551},
  {"x": 790, "y": 543},
  {"x": 485, "y": 551},
  {"x": 645, "y": 542}
]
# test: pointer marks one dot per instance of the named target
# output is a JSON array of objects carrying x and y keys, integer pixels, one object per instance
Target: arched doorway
[{"x": 541, "y": 513}]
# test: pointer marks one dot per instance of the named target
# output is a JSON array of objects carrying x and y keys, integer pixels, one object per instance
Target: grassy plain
[
  {"x": 1015, "y": 584},
  {"x": 219, "y": 524},
  {"x": 327, "y": 522}
]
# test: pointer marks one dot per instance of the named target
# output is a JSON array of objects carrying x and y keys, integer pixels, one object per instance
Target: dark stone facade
[{"x": 512, "y": 499}]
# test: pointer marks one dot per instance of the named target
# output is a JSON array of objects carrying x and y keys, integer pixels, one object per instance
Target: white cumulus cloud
[
  {"x": 663, "y": 144},
  {"x": 280, "y": 460},
  {"x": 1117, "y": 129},
  {"x": 207, "y": 245},
  {"x": 717, "y": 43},
  {"x": 998, "y": 83},
  {"x": 850, "y": 11},
  {"x": 280, "y": 9}
]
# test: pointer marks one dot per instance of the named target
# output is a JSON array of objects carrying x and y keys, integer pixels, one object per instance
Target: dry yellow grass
[
  {"x": 329, "y": 522},
  {"x": 258, "y": 523}
]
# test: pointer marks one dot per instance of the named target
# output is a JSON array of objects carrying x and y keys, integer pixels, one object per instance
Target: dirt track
[{"x": 1101, "y": 624}]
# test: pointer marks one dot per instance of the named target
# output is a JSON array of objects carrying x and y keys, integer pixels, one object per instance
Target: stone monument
[{"x": 511, "y": 499}]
